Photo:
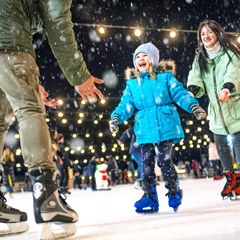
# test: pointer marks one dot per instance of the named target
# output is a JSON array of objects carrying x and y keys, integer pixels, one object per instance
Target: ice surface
[{"x": 110, "y": 215}]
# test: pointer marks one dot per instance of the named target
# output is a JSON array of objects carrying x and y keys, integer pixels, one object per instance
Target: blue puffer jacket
[{"x": 156, "y": 118}]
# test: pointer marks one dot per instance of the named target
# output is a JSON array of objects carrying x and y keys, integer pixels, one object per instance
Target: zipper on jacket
[{"x": 216, "y": 95}]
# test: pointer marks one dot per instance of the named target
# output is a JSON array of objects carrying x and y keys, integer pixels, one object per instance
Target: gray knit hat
[{"x": 149, "y": 49}]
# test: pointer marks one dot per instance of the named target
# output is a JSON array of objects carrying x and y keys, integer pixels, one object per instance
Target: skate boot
[
  {"x": 149, "y": 201},
  {"x": 15, "y": 220},
  {"x": 236, "y": 190},
  {"x": 174, "y": 194},
  {"x": 229, "y": 185},
  {"x": 50, "y": 207}
]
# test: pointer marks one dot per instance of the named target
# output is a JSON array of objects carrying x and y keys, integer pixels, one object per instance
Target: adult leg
[
  {"x": 236, "y": 150},
  {"x": 14, "y": 218},
  {"x": 227, "y": 162},
  {"x": 20, "y": 82}
]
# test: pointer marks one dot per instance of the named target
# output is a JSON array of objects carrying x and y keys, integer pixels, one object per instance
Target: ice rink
[{"x": 109, "y": 215}]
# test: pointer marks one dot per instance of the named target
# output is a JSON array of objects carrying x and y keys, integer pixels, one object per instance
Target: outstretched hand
[
  {"x": 88, "y": 90},
  {"x": 224, "y": 95},
  {"x": 53, "y": 103}
]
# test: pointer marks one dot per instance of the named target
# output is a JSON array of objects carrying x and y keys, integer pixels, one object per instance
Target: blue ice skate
[
  {"x": 174, "y": 195},
  {"x": 149, "y": 201}
]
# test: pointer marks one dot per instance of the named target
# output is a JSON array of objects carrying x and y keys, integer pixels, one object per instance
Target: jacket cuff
[
  {"x": 228, "y": 85},
  {"x": 193, "y": 89}
]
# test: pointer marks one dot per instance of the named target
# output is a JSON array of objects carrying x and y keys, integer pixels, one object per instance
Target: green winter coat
[
  {"x": 21, "y": 19},
  {"x": 224, "y": 117}
]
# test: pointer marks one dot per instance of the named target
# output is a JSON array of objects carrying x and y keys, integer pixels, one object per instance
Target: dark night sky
[{"x": 113, "y": 52}]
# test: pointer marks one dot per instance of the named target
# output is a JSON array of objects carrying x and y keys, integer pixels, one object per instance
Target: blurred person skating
[
  {"x": 215, "y": 161},
  {"x": 112, "y": 170},
  {"x": 7, "y": 162},
  {"x": 151, "y": 92},
  {"x": 77, "y": 172},
  {"x": 134, "y": 149},
  {"x": 216, "y": 72},
  {"x": 85, "y": 174},
  {"x": 20, "y": 93},
  {"x": 63, "y": 164},
  {"x": 91, "y": 171},
  {"x": 195, "y": 167}
]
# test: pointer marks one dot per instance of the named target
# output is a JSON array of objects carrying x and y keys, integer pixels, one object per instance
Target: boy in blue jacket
[{"x": 151, "y": 92}]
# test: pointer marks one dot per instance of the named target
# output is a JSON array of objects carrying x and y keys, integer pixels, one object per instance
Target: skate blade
[
  {"x": 146, "y": 211},
  {"x": 175, "y": 209},
  {"x": 234, "y": 197},
  {"x": 13, "y": 228},
  {"x": 56, "y": 230}
]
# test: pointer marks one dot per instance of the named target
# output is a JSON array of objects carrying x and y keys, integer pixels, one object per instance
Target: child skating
[{"x": 150, "y": 94}]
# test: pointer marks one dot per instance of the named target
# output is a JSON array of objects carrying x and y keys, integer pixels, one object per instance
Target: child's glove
[
  {"x": 113, "y": 124},
  {"x": 198, "y": 112},
  {"x": 223, "y": 96}
]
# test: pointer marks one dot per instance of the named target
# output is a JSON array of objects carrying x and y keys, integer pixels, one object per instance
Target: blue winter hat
[{"x": 149, "y": 49}]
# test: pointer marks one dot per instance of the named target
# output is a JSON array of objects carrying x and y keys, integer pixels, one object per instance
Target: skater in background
[
  {"x": 7, "y": 161},
  {"x": 215, "y": 160},
  {"x": 216, "y": 71},
  {"x": 77, "y": 172},
  {"x": 195, "y": 167},
  {"x": 63, "y": 164},
  {"x": 112, "y": 170},
  {"x": 92, "y": 165},
  {"x": 19, "y": 93},
  {"x": 85, "y": 174},
  {"x": 151, "y": 91},
  {"x": 134, "y": 149}
]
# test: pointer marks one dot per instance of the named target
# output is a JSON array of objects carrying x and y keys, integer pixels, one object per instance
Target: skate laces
[
  {"x": 173, "y": 192},
  {"x": 4, "y": 200}
]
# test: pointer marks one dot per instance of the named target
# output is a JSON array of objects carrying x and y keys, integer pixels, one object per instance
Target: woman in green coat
[{"x": 216, "y": 72}]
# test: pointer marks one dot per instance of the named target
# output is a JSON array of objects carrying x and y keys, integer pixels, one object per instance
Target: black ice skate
[
  {"x": 15, "y": 220},
  {"x": 50, "y": 207}
]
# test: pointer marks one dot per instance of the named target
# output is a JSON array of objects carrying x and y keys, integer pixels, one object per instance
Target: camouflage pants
[{"x": 19, "y": 94}]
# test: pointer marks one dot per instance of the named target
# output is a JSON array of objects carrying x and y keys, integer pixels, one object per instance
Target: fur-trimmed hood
[{"x": 163, "y": 66}]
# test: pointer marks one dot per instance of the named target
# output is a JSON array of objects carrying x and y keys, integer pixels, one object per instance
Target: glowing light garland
[{"x": 104, "y": 26}]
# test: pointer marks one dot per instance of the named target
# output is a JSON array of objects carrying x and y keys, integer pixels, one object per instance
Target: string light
[
  {"x": 102, "y": 30},
  {"x": 137, "y": 32},
  {"x": 140, "y": 30},
  {"x": 173, "y": 34}
]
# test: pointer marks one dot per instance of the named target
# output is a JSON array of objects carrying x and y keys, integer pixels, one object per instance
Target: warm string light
[{"x": 138, "y": 31}]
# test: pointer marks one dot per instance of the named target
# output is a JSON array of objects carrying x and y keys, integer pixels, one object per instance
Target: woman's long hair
[{"x": 223, "y": 39}]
